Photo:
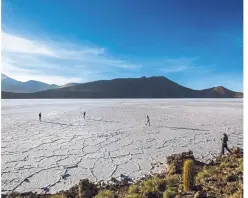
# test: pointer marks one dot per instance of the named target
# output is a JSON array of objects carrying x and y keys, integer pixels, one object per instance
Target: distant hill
[
  {"x": 221, "y": 92},
  {"x": 153, "y": 87},
  {"x": 12, "y": 85}
]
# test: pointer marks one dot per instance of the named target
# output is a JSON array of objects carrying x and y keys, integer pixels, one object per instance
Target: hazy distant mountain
[
  {"x": 3, "y": 76},
  {"x": 153, "y": 87},
  {"x": 69, "y": 85},
  {"x": 12, "y": 85}
]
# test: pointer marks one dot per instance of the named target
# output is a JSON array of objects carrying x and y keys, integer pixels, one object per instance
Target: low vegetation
[
  {"x": 105, "y": 194},
  {"x": 221, "y": 178}
]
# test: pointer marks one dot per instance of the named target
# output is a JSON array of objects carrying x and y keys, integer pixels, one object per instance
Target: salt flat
[{"x": 113, "y": 139}]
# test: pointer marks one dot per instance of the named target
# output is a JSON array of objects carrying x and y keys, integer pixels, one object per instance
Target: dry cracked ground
[{"x": 113, "y": 139}]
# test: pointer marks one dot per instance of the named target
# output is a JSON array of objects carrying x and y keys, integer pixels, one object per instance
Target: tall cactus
[
  {"x": 188, "y": 175},
  {"x": 80, "y": 190}
]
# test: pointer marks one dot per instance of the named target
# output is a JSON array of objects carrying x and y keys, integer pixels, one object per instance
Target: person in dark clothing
[
  {"x": 84, "y": 114},
  {"x": 40, "y": 117},
  {"x": 148, "y": 120},
  {"x": 224, "y": 144}
]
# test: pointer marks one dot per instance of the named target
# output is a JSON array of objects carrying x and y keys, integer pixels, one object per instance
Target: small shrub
[
  {"x": 133, "y": 189},
  {"x": 169, "y": 193},
  {"x": 208, "y": 172},
  {"x": 172, "y": 180},
  {"x": 223, "y": 165},
  {"x": 159, "y": 183},
  {"x": 212, "y": 171},
  {"x": 201, "y": 175},
  {"x": 56, "y": 196},
  {"x": 238, "y": 194},
  {"x": 134, "y": 196},
  {"x": 153, "y": 185},
  {"x": 105, "y": 194},
  {"x": 147, "y": 186},
  {"x": 240, "y": 168}
]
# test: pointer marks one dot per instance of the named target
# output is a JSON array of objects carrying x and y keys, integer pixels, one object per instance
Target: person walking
[
  {"x": 40, "y": 117},
  {"x": 224, "y": 144},
  {"x": 84, "y": 114},
  {"x": 148, "y": 120}
]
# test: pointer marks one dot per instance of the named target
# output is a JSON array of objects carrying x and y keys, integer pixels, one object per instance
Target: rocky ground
[{"x": 222, "y": 177}]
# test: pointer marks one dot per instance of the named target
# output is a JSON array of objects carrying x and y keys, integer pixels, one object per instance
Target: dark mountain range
[
  {"x": 12, "y": 85},
  {"x": 153, "y": 87}
]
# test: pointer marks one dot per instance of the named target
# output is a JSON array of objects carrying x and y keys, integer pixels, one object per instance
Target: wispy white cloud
[
  {"x": 62, "y": 62},
  {"x": 54, "y": 62},
  {"x": 24, "y": 74},
  {"x": 177, "y": 65},
  {"x": 174, "y": 69},
  {"x": 11, "y": 43}
]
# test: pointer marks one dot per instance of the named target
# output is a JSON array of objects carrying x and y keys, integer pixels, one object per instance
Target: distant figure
[
  {"x": 148, "y": 120},
  {"x": 84, "y": 114},
  {"x": 224, "y": 144},
  {"x": 40, "y": 117}
]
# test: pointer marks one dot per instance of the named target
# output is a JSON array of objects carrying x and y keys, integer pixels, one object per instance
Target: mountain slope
[
  {"x": 12, "y": 85},
  {"x": 153, "y": 87}
]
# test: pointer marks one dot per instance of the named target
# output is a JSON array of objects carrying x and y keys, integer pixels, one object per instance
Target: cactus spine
[{"x": 188, "y": 175}]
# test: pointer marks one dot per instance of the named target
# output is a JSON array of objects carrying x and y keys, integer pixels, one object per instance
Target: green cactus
[
  {"x": 188, "y": 175},
  {"x": 80, "y": 190}
]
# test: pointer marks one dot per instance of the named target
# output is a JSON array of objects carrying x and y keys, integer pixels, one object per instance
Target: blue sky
[{"x": 198, "y": 44}]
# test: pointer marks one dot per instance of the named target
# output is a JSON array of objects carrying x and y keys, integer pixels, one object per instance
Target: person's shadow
[
  {"x": 175, "y": 128},
  {"x": 55, "y": 123}
]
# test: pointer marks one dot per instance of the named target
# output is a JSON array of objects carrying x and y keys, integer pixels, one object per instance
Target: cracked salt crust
[{"x": 113, "y": 140}]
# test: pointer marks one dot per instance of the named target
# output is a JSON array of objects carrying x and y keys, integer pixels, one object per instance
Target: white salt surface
[{"x": 113, "y": 140}]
